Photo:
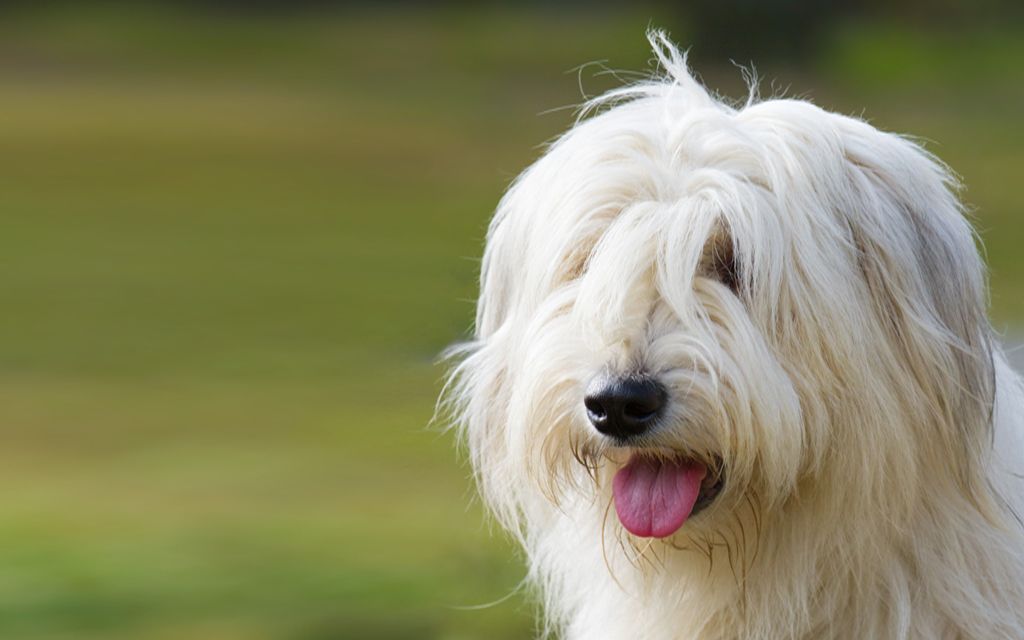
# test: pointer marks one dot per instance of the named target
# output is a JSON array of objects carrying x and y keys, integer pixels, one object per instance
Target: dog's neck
[{"x": 804, "y": 572}]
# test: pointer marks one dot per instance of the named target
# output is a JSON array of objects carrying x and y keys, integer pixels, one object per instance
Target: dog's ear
[
  {"x": 916, "y": 249},
  {"x": 476, "y": 396},
  {"x": 917, "y": 254},
  {"x": 914, "y": 242}
]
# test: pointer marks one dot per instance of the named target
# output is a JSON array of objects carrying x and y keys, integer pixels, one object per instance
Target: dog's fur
[{"x": 809, "y": 291}]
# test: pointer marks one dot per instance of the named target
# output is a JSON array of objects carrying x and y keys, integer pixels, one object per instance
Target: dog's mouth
[{"x": 654, "y": 495}]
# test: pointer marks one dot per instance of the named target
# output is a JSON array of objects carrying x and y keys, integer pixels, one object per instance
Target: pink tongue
[{"x": 653, "y": 497}]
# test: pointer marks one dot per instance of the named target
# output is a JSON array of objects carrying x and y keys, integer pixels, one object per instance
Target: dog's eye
[{"x": 724, "y": 267}]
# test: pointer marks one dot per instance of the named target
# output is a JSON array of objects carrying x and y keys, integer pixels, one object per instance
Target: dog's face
[{"x": 687, "y": 308}]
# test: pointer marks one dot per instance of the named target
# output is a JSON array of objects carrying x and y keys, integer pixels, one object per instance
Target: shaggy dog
[{"x": 732, "y": 377}]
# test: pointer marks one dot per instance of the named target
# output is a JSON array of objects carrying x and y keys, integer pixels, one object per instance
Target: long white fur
[{"x": 850, "y": 384}]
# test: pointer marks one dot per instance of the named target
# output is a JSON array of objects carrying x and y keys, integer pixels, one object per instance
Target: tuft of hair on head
[{"x": 671, "y": 74}]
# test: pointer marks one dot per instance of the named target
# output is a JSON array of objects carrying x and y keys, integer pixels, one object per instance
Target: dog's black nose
[{"x": 624, "y": 407}]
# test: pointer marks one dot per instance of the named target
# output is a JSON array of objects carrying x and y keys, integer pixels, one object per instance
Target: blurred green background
[{"x": 235, "y": 237}]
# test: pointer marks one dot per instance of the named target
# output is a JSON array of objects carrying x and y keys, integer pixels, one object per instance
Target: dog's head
[{"x": 687, "y": 307}]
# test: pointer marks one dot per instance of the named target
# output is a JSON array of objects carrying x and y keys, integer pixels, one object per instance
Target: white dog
[{"x": 733, "y": 378}]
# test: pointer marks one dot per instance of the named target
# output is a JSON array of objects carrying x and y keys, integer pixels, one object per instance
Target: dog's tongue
[{"x": 655, "y": 497}]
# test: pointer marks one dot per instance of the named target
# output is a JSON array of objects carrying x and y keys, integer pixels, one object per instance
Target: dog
[{"x": 732, "y": 377}]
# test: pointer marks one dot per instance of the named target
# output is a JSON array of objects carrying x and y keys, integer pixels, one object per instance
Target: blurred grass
[{"x": 232, "y": 247}]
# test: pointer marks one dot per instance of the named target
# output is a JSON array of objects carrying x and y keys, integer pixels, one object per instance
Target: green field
[{"x": 231, "y": 250}]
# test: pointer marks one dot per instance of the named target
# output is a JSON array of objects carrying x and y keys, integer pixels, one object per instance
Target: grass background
[{"x": 231, "y": 247}]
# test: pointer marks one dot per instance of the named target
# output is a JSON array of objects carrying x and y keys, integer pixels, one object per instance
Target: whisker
[{"x": 604, "y": 548}]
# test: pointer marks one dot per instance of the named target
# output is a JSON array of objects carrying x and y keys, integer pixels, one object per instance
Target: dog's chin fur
[{"x": 808, "y": 291}]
